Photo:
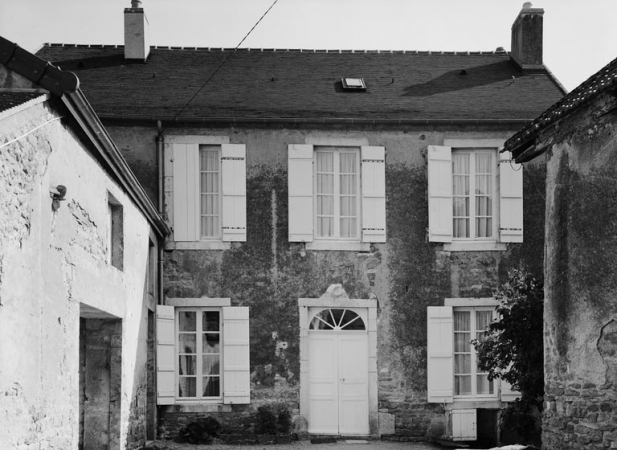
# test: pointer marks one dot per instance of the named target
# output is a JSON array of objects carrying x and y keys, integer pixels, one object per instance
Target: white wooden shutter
[
  {"x": 507, "y": 393},
  {"x": 165, "y": 355},
  {"x": 511, "y": 199},
  {"x": 186, "y": 192},
  {"x": 464, "y": 424},
  {"x": 440, "y": 354},
  {"x": 440, "y": 193},
  {"x": 233, "y": 173},
  {"x": 300, "y": 185},
  {"x": 236, "y": 364},
  {"x": 373, "y": 194}
]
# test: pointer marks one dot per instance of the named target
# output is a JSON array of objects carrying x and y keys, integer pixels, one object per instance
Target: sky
[{"x": 580, "y": 37}]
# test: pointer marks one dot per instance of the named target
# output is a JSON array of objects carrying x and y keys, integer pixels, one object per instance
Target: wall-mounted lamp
[
  {"x": 303, "y": 249},
  {"x": 57, "y": 194}
]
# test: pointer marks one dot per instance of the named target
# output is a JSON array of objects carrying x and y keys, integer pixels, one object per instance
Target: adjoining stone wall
[{"x": 580, "y": 331}]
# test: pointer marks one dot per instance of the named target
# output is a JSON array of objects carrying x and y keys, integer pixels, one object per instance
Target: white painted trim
[
  {"x": 197, "y": 245},
  {"x": 198, "y": 302},
  {"x": 474, "y": 246},
  {"x": 196, "y": 139},
  {"x": 330, "y": 141},
  {"x": 475, "y": 143},
  {"x": 471, "y": 302},
  {"x": 339, "y": 245}
]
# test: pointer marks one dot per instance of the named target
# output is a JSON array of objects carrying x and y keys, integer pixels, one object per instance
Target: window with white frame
[
  {"x": 336, "y": 196},
  {"x": 199, "y": 353},
  {"x": 452, "y": 372},
  {"x": 470, "y": 324},
  {"x": 475, "y": 197},
  {"x": 202, "y": 353},
  {"x": 205, "y": 191}
]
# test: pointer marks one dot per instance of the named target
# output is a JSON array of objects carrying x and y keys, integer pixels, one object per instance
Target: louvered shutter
[
  {"x": 373, "y": 194},
  {"x": 507, "y": 393},
  {"x": 165, "y": 355},
  {"x": 464, "y": 424},
  {"x": 185, "y": 192},
  {"x": 300, "y": 185},
  {"x": 440, "y": 193},
  {"x": 440, "y": 354},
  {"x": 511, "y": 199},
  {"x": 236, "y": 364},
  {"x": 233, "y": 173}
]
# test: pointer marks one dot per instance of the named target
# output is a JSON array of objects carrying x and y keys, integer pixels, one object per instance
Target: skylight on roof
[{"x": 353, "y": 83}]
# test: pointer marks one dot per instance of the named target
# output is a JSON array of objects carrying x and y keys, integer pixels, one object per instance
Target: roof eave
[{"x": 79, "y": 107}]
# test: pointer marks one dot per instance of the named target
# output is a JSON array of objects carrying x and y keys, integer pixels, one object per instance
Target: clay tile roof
[
  {"x": 305, "y": 84},
  {"x": 12, "y": 100},
  {"x": 602, "y": 81}
]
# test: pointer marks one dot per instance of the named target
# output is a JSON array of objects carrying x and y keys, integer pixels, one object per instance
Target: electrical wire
[{"x": 224, "y": 61}]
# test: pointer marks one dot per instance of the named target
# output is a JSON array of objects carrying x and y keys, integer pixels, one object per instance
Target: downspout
[{"x": 160, "y": 142}]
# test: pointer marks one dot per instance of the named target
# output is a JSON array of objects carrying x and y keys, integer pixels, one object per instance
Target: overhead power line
[{"x": 224, "y": 61}]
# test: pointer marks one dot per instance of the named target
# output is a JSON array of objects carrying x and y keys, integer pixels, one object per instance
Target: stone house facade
[
  {"x": 337, "y": 218},
  {"x": 78, "y": 270},
  {"x": 576, "y": 139}
]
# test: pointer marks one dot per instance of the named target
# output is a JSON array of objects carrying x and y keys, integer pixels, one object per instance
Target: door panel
[
  {"x": 323, "y": 384},
  {"x": 353, "y": 384}
]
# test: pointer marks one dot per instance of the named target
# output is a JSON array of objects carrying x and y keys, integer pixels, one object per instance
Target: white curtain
[
  {"x": 348, "y": 194},
  {"x": 483, "y": 193},
  {"x": 460, "y": 191},
  {"x": 209, "y": 165}
]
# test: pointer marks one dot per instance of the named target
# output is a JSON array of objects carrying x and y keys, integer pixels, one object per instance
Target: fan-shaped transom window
[{"x": 337, "y": 319}]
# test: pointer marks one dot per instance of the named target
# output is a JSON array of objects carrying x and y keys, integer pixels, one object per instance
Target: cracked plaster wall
[
  {"x": 51, "y": 264},
  {"x": 581, "y": 281}
]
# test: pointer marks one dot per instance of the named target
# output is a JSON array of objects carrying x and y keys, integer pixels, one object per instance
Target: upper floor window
[
  {"x": 337, "y": 197},
  {"x": 337, "y": 186},
  {"x": 205, "y": 192},
  {"x": 475, "y": 197},
  {"x": 473, "y": 192}
]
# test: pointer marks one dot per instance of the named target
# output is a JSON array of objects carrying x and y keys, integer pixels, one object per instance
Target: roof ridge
[{"x": 293, "y": 50}]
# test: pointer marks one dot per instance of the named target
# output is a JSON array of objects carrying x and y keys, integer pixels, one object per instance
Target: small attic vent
[{"x": 353, "y": 84}]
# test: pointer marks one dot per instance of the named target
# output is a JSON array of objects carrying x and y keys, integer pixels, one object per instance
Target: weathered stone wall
[
  {"x": 407, "y": 274},
  {"x": 581, "y": 282},
  {"x": 53, "y": 270}
]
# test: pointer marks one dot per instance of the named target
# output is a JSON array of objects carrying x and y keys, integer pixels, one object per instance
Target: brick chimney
[
  {"x": 135, "y": 34},
  {"x": 527, "y": 38}
]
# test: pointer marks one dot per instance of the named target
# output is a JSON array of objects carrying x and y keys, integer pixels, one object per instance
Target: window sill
[
  {"x": 198, "y": 245},
  {"x": 475, "y": 403},
  {"x": 339, "y": 245},
  {"x": 474, "y": 246}
]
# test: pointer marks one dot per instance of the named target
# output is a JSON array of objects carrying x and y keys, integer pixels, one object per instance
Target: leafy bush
[
  {"x": 200, "y": 431},
  {"x": 513, "y": 348}
]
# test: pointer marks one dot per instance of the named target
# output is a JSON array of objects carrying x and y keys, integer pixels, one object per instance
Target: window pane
[
  {"x": 211, "y": 343},
  {"x": 187, "y": 365},
  {"x": 462, "y": 342},
  {"x": 209, "y": 165},
  {"x": 210, "y": 321},
  {"x": 352, "y": 321},
  {"x": 187, "y": 343},
  {"x": 187, "y": 387},
  {"x": 187, "y": 321},
  {"x": 462, "y": 385},
  {"x": 483, "y": 319},
  {"x": 210, "y": 365},
  {"x": 325, "y": 161},
  {"x": 461, "y": 321},
  {"x": 462, "y": 364},
  {"x": 485, "y": 387},
  {"x": 211, "y": 386}
]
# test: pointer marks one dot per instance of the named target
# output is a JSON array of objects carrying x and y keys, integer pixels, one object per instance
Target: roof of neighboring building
[
  {"x": 10, "y": 101},
  {"x": 602, "y": 81},
  {"x": 264, "y": 84}
]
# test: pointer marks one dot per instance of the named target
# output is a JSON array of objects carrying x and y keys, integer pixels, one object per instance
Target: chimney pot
[{"x": 526, "y": 5}]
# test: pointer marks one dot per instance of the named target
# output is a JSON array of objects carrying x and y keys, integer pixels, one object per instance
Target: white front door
[{"x": 338, "y": 373}]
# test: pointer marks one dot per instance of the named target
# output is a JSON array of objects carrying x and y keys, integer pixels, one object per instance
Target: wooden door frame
[{"x": 336, "y": 297}]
